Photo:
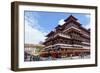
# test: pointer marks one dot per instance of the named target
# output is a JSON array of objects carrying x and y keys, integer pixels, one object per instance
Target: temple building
[{"x": 71, "y": 38}]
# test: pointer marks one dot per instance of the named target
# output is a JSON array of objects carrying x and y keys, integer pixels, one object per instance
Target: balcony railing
[{"x": 60, "y": 34}]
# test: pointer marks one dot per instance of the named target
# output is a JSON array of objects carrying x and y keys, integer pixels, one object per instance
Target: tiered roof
[{"x": 67, "y": 21}]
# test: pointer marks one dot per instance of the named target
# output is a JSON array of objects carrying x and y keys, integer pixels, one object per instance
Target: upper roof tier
[{"x": 70, "y": 18}]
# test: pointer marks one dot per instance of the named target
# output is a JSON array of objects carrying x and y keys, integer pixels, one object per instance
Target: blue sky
[{"x": 44, "y": 22}]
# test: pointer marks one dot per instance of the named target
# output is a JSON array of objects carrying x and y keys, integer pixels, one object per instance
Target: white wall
[{"x": 5, "y": 32}]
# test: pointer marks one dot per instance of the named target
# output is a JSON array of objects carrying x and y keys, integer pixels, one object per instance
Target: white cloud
[
  {"x": 87, "y": 26},
  {"x": 88, "y": 16},
  {"x": 32, "y": 21},
  {"x": 32, "y": 33},
  {"x": 61, "y": 22}
]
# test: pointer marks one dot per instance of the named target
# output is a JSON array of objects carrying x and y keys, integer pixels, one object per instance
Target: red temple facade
[{"x": 69, "y": 39}]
